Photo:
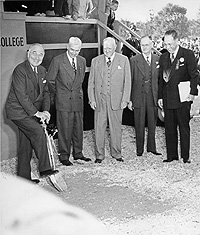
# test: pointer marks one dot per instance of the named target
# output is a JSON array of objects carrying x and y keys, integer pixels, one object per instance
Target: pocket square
[
  {"x": 44, "y": 81},
  {"x": 119, "y": 67}
]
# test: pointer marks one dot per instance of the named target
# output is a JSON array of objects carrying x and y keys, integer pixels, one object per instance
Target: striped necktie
[
  {"x": 73, "y": 65},
  {"x": 148, "y": 62},
  {"x": 109, "y": 62}
]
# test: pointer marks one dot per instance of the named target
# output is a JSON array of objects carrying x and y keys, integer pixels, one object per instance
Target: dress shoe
[
  {"x": 155, "y": 153},
  {"x": 35, "y": 181},
  {"x": 98, "y": 161},
  {"x": 139, "y": 154},
  {"x": 48, "y": 172},
  {"x": 170, "y": 160},
  {"x": 86, "y": 159},
  {"x": 120, "y": 159},
  {"x": 66, "y": 163},
  {"x": 186, "y": 161}
]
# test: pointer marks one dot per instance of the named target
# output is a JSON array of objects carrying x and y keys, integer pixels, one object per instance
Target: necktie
[
  {"x": 73, "y": 65},
  {"x": 172, "y": 57},
  {"x": 109, "y": 62},
  {"x": 148, "y": 62},
  {"x": 36, "y": 76}
]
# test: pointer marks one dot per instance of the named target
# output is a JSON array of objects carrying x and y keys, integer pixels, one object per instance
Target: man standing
[
  {"x": 177, "y": 66},
  {"x": 109, "y": 92},
  {"x": 28, "y": 101},
  {"x": 67, "y": 72},
  {"x": 144, "y": 95},
  {"x": 67, "y": 7}
]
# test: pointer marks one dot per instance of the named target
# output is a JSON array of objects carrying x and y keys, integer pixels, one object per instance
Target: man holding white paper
[{"x": 177, "y": 88}]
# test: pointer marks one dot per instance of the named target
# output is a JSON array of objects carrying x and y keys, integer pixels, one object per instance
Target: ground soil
[{"x": 140, "y": 196}]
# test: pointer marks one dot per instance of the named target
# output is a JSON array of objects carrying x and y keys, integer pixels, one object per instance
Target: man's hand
[
  {"x": 48, "y": 116},
  {"x": 130, "y": 105},
  {"x": 190, "y": 98},
  {"x": 160, "y": 103},
  {"x": 93, "y": 105},
  {"x": 43, "y": 116},
  {"x": 123, "y": 105}
]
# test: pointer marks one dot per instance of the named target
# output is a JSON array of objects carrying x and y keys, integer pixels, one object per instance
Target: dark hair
[
  {"x": 115, "y": 2},
  {"x": 173, "y": 33}
]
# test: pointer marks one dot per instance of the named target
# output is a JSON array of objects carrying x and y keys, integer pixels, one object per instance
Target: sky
[{"x": 139, "y": 10}]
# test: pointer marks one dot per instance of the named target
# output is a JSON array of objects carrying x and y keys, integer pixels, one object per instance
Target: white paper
[{"x": 184, "y": 90}]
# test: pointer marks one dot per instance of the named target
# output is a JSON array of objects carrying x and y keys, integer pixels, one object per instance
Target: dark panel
[
  {"x": 55, "y": 32},
  {"x": 88, "y": 54}
]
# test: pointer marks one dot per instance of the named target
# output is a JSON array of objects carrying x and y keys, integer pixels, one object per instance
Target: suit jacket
[
  {"x": 68, "y": 87},
  {"x": 120, "y": 81},
  {"x": 25, "y": 98},
  {"x": 184, "y": 68},
  {"x": 138, "y": 78}
]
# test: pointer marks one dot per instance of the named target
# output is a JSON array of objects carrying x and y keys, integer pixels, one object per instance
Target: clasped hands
[{"x": 43, "y": 116}]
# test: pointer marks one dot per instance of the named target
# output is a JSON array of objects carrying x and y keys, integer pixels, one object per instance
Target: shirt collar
[
  {"x": 111, "y": 58},
  {"x": 145, "y": 56},
  {"x": 176, "y": 51},
  {"x": 34, "y": 68},
  {"x": 70, "y": 58}
]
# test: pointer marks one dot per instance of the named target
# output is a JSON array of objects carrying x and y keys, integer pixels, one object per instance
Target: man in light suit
[
  {"x": 177, "y": 65},
  {"x": 67, "y": 73},
  {"x": 67, "y": 7},
  {"x": 28, "y": 101},
  {"x": 109, "y": 93},
  {"x": 144, "y": 95}
]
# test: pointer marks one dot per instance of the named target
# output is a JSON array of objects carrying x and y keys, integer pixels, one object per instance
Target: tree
[{"x": 172, "y": 17}]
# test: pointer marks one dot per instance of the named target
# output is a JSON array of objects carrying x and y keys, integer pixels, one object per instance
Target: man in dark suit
[
  {"x": 177, "y": 66},
  {"x": 67, "y": 72},
  {"x": 28, "y": 101},
  {"x": 144, "y": 95},
  {"x": 109, "y": 92}
]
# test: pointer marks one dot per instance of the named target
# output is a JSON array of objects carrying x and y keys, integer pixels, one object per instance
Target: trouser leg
[
  {"x": 171, "y": 134},
  {"x": 77, "y": 137},
  {"x": 35, "y": 134},
  {"x": 65, "y": 123}
]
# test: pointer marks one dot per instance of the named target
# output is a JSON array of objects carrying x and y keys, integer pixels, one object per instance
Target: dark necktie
[
  {"x": 36, "y": 76},
  {"x": 172, "y": 57},
  {"x": 109, "y": 62},
  {"x": 148, "y": 62},
  {"x": 73, "y": 65}
]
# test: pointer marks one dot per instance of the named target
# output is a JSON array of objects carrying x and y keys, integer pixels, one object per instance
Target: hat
[{"x": 161, "y": 114}]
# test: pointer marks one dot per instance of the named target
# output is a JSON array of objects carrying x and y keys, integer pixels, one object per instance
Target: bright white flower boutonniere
[
  {"x": 157, "y": 65},
  {"x": 180, "y": 62}
]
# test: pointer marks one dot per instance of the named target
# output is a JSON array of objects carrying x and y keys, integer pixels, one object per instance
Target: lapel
[
  {"x": 153, "y": 63},
  {"x": 115, "y": 63},
  {"x": 78, "y": 70},
  {"x": 41, "y": 79},
  {"x": 140, "y": 64},
  {"x": 166, "y": 66},
  {"x": 31, "y": 75},
  {"x": 173, "y": 68},
  {"x": 68, "y": 67},
  {"x": 100, "y": 65}
]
